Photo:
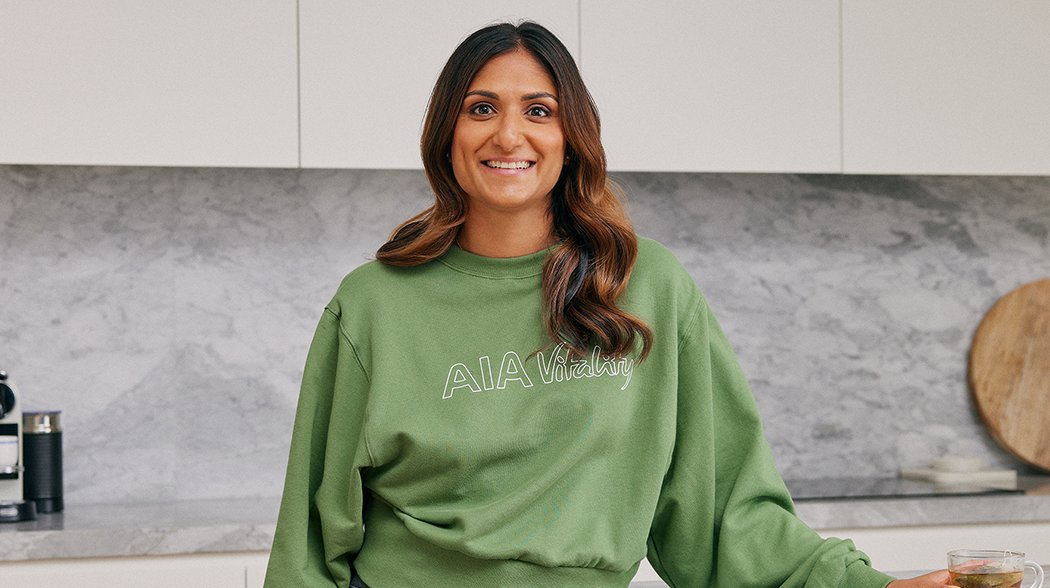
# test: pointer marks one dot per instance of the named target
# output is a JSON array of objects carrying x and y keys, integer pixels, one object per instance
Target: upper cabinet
[
  {"x": 149, "y": 82},
  {"x": 824, "y": 86},
  {"x": 946, "y": 86},
  {"x": 367, "y": 70},
  {"x": 702, "y": 85}
]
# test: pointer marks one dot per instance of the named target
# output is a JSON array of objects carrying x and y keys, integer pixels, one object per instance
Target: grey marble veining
[
  {"x": 852, "y": 301},
  {"x": 144, "y": 529},
  {"x": 167, "y": 311}
]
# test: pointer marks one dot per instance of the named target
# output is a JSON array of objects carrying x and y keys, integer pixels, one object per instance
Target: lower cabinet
[
  {"x": 896, "y": 549},
  {"x": 228, "y": 570},
  {"x": 255, "y": 570},
  {"x": 908, "y": 551}
]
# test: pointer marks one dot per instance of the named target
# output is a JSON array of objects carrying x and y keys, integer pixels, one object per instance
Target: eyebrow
[{"x": 495, "y": 96}]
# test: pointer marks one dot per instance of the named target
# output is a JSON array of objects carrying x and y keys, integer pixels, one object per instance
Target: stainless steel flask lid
[{"x": 42, "y": 422}]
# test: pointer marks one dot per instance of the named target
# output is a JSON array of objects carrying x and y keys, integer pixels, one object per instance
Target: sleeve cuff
[{"x": 861, "y": 575}]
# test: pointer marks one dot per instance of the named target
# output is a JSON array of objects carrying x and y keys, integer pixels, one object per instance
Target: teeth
[{"x": 509, "y": 164}]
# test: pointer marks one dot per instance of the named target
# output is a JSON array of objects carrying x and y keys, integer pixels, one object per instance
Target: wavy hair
[{"x": 589, "y": 269}]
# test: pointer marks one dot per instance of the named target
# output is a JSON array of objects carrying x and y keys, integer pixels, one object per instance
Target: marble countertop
[
  {"x": 857, "y": 513},
  {"x": 913, "y": 512},
  {"x": 245, "y": 525},
  {"x": 174, "y": 528}
]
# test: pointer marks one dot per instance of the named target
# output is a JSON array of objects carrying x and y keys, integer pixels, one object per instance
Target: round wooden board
[{"x": 1010, "y": 372}]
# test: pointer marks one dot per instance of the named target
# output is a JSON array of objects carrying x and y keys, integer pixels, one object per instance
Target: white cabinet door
[
  {"x": 926, "y": 547},
  {"x": 149, "y": 82},
  {"x": 367, "y": 69},
  {"x": 255, "y": 571},
  {"x": 703, "y": 85},
  {"x": 946, "y": 86}
]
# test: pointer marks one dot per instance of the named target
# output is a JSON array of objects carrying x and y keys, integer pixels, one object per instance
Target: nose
[{"x": 510, "y": 133}]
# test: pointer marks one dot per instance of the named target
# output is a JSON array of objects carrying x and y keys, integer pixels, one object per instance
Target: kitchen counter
[
  {"x": 174, "y": 528},
  {"x": 906, "y": 512},
  {"x": 1031, "y": 505},
  {"x": 247, "y": 525}
]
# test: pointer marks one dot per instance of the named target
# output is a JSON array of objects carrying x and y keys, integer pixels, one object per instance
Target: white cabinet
[
  {"x": 897, "y": 86},
  {"x": 367, "y": 69},
  {"x": 230, "y": 570},
  {"x": 724, "y": 85},
  {"x": 149, "y": 82},
  {"x": 926, "y": 547},
  {"x": 255, "y": 571},
  {"x": 946, "y": 86}
]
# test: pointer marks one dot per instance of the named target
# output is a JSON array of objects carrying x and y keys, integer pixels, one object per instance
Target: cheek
[
  {"x": 459, "y": 153},
  {"x": 554, "y": 143},
  {"x": 460, "y": 172},
  {"x": 465, "y": 145},
  {"x": 555, "y": 149}
]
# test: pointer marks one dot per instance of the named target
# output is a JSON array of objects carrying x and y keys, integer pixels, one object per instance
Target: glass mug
[{"x": 985, "y": 568}]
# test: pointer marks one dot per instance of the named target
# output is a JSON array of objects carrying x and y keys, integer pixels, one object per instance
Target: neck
[{"x": 496, "y": 237}]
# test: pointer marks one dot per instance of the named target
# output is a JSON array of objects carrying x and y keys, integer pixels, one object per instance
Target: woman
[{"x": 520, "y": 392}]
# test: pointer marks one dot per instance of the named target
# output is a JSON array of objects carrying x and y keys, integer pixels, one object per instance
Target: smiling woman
[
  {"x": 512, "y": 148},
  {"x": 521, "y": 392},
  {"x": 507, "y": 154}
]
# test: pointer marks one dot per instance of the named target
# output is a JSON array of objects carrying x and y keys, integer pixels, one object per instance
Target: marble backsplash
[{"x": 167, "y": 311}]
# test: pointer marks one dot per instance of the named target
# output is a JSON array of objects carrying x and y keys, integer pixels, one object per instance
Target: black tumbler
[{"x": 42, "y": 455}]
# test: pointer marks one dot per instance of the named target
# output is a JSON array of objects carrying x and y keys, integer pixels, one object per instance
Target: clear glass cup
[{"x": 987, "y": 568}]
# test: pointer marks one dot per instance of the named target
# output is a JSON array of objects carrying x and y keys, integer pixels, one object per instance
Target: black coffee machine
[{"x": 13, "y": 506}]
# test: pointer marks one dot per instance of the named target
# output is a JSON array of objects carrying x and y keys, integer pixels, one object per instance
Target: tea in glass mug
[{"x": 984, "y": 568}]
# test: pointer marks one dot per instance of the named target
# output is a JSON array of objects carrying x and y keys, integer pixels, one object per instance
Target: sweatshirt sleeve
[
  {"x": 724, "y": 517},
  {"x": 319, "y": 526}
]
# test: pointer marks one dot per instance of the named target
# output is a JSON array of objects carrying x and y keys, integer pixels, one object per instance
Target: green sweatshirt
[{"x": 435, "y": 447}]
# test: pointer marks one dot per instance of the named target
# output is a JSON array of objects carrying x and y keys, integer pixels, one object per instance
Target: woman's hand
[{"x": 938, "y": 579}]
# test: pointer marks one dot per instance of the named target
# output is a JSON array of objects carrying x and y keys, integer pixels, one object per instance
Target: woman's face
[{"x": 508, "y": 148}]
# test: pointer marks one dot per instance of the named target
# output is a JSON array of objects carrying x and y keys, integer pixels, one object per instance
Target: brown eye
[
  {"x": 539, "y": 111},
  {"x": 482, "y": 109}
]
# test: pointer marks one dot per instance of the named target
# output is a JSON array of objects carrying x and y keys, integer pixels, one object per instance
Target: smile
[{"x": 509, "y": 164}]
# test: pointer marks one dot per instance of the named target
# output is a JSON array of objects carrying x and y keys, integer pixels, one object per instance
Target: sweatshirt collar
[{"x": 524, "y": 266}]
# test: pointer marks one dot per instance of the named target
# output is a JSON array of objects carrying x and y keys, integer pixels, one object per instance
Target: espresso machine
[{"x": 13, "y": 506}]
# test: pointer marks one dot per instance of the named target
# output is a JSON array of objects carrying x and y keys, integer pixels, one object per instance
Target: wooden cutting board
[{"x": 1010, "y": 372}]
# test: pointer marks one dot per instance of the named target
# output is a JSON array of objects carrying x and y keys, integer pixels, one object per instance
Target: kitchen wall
[{"x": 167, "y": 311}]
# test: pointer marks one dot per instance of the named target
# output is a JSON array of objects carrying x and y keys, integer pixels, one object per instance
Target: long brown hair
[{"x": 588, "y": 271}]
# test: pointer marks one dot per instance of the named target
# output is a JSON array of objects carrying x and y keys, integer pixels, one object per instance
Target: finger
[{"x": 937, "y": 578}]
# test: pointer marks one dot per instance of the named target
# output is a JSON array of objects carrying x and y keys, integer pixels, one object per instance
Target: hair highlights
[{"x": 588, "y": 271}]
